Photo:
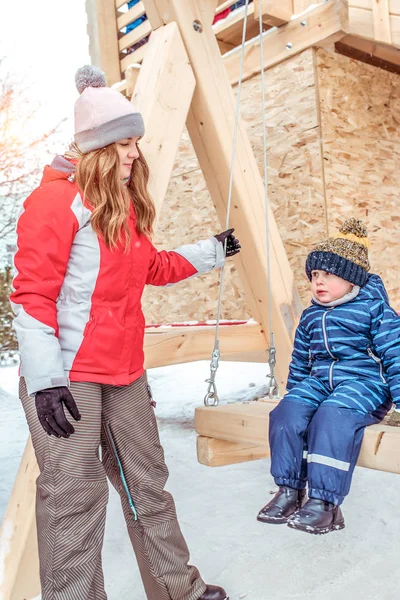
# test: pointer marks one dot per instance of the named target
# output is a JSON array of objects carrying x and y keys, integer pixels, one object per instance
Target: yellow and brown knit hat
[{"x": 345, "y": 254}]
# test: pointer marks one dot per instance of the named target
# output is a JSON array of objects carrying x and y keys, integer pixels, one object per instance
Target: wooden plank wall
[
  {"x": 376, "y": 19},
  {"x": 317, "y": 102}
]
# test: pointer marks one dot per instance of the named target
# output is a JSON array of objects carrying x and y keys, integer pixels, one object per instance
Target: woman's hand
[
  {"x": 50, "y": 411},
  {"x": 232, "y": 244}
]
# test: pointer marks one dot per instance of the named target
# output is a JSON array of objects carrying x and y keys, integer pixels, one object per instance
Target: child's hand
[
  {"x": 232, "y": 244},
  {"x": 394, "y": 418}
]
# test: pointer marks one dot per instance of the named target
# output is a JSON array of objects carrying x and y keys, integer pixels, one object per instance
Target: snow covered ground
[{"x": 217, "y": 508}]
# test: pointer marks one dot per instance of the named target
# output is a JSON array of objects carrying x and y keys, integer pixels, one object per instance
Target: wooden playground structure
[{"x": 334, "y": 135}]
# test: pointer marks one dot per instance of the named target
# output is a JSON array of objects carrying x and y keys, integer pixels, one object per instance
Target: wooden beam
[
  {"x": 379, "y": 55},
  {"x": 300, "y": 6},
  {"x": 222, "y": 5},
  {"x": 381, "y": 17},
  {"x": 131, "y": 15},
  {"x": 274, "y": 12},
  {"x": 230, "y": 29},
  {"x": 173, "y": 345},
  {"x": 153, "y": 14},
  {"x": 134, "y": 36},
  {"x": 158, "y": 11},
  {"x": 249, "y": 423},
  {"x": 219, "y": 453},
  {"x": 163, "y": 93},
  {"x": 103, "y": 38},
  {"x": 325, "y": 23},
  {"x": 19, "y": 565},
  {"x": 211, "y": 125}
]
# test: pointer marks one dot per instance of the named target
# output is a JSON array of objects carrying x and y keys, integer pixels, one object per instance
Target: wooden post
[
  {"x": 19, "y": 566},
  {"x": 211, "y": 125},
  {"x": 274, "y": 13},
  {"x": 103, "y": 38},
  {"x": 163, "y": 93},
  {"x": 153, "y": 14}
]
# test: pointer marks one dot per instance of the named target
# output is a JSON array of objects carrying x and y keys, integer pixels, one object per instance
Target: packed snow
[{"x": 217, "y": 507}]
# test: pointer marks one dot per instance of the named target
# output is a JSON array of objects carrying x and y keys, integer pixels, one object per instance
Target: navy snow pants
[{"x": 315, "y": 434}]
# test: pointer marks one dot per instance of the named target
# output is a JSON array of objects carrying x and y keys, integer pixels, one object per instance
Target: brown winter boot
[
  {"x": 282, "y": 506},
  {"x": 213, "y": 592},
  {"x": 317, "y": 517}
]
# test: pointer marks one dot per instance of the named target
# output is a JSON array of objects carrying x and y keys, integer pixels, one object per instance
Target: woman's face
[{"x": 128, "y": 152}]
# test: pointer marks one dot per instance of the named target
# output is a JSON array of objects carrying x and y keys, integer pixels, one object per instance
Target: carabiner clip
[{"x": 211, "y": 398}]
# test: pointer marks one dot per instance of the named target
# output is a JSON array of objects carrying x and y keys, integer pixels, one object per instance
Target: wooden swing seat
[{"x": 236, "y": 433}]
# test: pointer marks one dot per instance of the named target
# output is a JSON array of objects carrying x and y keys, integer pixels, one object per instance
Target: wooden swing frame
[{"x": 178, "y": 77}]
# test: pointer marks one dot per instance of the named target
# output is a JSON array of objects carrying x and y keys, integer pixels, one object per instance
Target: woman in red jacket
[{"x": 84, "y": 256}]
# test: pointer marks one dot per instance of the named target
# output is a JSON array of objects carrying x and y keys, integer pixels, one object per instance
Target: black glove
[
  {"x": 50, "y": 410},
  {"x": 232, "y": 243}
]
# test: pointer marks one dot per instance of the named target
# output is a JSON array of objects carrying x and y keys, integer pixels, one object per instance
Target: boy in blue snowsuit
[{"x": 344, "y": 375}]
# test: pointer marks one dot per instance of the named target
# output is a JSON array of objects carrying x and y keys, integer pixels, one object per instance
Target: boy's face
[{"x": 327, "y": 287}]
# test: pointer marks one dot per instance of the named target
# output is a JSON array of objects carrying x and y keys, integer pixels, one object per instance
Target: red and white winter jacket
[{"x": 77, "y": 303}]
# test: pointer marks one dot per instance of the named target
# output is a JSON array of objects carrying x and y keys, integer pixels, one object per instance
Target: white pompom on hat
[{"x": 102, "y": 115}]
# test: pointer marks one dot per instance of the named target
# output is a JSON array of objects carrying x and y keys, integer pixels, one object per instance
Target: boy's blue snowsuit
[{"x": 344, "y": 375}]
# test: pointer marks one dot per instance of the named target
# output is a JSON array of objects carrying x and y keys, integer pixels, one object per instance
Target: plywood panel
[
  {"x": 295, "y": 184},
  {"x": 294, "y": 157},
  {"x": 360, "y": 116},
  {"x": 360, "y": 112}
]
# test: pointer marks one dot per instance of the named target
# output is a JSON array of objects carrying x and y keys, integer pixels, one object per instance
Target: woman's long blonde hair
[{"x": 98, "y": 178}]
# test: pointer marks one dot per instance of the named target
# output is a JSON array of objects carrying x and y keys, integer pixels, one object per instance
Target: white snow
[{"x": 217, "y": 507}]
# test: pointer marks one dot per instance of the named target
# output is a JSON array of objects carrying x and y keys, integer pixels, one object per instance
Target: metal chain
[
  {"x": 273, "y": 391},
  {"x": 211, "y": 398}
]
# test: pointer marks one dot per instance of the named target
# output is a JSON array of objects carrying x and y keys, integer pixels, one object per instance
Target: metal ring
[{"x": 211, "y": 396}]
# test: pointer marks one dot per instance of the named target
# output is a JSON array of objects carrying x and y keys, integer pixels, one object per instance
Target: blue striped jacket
[{"x": 356, "y": 340}]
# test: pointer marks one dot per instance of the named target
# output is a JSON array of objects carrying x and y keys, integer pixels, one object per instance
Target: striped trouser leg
[
  {"x": 129, "y": 423},
  {"x": 72, "y": 494}
]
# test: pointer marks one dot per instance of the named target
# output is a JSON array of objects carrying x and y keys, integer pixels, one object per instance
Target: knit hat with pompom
[
  {"x": 102, "y": 115},
  {"x": 345, "y": 254}
]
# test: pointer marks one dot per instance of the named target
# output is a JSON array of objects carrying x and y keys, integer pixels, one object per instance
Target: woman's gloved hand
[
  {"x": 50, "y": 411},
  {"x": 232, "y": 244}
]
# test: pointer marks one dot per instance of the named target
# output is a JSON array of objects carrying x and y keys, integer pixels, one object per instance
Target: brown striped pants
[{"x": 72, "y": 494}]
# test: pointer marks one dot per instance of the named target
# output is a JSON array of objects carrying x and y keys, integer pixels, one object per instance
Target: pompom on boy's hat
[
  {"x": 344, "y": 254},
  {"x": 102, "y": 115}
]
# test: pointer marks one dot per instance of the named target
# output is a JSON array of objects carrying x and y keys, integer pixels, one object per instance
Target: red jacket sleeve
[
  {"x": 45, "y": 231},
  {"x": 166, "y": 268}
]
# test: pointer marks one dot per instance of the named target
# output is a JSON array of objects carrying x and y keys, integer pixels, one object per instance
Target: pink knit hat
[{"x": 102, "y": 115}]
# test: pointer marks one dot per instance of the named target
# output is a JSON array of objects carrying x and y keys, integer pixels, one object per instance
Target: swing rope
[
  {"x": 273, "y": 390},
  {"x": 211, "y": 398}
]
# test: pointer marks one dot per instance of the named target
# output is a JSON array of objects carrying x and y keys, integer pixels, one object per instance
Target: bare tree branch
[{"x": 20, "y": 155}]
